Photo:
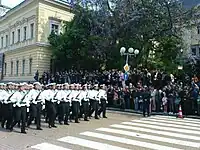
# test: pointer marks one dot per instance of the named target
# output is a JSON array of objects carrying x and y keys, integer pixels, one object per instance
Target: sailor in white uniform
[
  {"x": 85, "y": 102},
  {"x": 50, "y": 95},
  {"x": 7, "y": 105},
  {"x": 37, "y": 101},
  {"x": 103, "y": 100},
  {"x": 75, "y": 101},
  {"x": 63, "y": 106},
  {"x": 94, "y": 101},
  {"x": 20, "y": 107}
]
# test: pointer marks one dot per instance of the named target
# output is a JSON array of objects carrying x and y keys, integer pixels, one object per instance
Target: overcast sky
[{"x": 11, "y": 3}]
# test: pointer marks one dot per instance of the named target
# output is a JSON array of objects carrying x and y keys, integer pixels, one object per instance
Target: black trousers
[
  {"x": 20, "y": 115},
  {"x": 63, "y": 111},
  {"x": 75, "y": 110},
  {"x": 7, "y": 114},
  {"x": 85, "y": 105},
  {"x": 94, "y": 108},
  {"x": 1, "y": 111},
  {"x": 103, "y": 107},
  {"x": 35, "y": 113},
  {"x": 146, "y": 107},
  {"x": 51, "y": 113}
]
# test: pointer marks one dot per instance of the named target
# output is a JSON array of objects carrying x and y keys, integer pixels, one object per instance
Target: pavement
[
  {"x": 127, "y": 111},
  {"x": 120, "y": 131}
]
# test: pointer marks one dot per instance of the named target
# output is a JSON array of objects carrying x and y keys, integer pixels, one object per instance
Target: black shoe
[
  {"x": 66, "y": 123},
  {"x": 2, "y": 125},
  {"x": 105, "y": 117},
  {"x": 11, "y": 129},
  {"x": 54, "y": 126},
  {"x": 24, "y": 132},
  {"x": 39, "y": 129},
  {"x": 96, "y": 117},
  {"x": 60, "y": 123},
  {"x": 50, "y": 126},
  {"x": 86, "y": 120},
  {"x": 77, "y": 122}
]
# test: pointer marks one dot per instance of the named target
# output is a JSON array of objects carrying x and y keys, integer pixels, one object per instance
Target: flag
[{"x": 126, "y": 76}]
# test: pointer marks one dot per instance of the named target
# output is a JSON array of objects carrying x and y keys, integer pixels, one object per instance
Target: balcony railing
[{"x": 18, "y": 45}]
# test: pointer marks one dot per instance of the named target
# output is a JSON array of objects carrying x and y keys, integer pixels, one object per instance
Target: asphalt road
[{"x": 118, "y": 132}]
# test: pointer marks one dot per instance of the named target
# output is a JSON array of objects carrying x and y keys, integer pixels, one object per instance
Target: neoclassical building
[{"x": 24, "y": 32}]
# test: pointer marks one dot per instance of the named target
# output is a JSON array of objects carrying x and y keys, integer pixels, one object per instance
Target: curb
[{"x": 138, "y": 113}]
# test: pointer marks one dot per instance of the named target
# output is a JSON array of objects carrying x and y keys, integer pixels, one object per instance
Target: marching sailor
[
  {"x": 93, "y": 94},
  {"x": 63, "y": 105},
  {"x": 7, "y": 106},
  {"x": 20, "y": 107},
  {"x": 85, "y": 102},
  {"x": 50, "y": 95},
  {"x": 75, "y": 101},
  {"x": 103, "y": 100},
  {"x": 37, "y": 101},
  {"x": 1, "y": 100}
]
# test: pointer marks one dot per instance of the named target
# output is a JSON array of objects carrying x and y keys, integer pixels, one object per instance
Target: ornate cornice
[{"x": 18, "y": 23}]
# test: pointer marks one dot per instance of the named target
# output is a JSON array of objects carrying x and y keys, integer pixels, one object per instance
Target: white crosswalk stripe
[
  {"x": 162, "y": 128},
  {"x": 47, "y": 146},
  {"x": 166, "y": 125},
  {"x": 174, "y": 118},
  {"x": 156, "y": 132},
  {"x": 89, "y": 144},
  {"x": 177, "y": 122},
  {"x": 150, "y": 137},
  {"x": 128, "y": 141}
]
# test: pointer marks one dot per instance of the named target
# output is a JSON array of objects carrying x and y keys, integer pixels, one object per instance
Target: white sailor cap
[
  {"x": 66, "y": 84},
  {"x": 71, "y": 85},
  {"x": 15, "y": 84},
  {"x": 9, "y": 83},
  {"x": 102, "y": 85},
  {"x": 51, "y": 84},
  {"x": 2, "y": 84},
  {"x": 31, "y": 85},
  {"x": 76, "y": 85},
  {"x": 36, "y": 83},
  {"x": 21, "y": 84},
  {"x": 96, "y": 85},
  {"x": 24, "y": 83},
  {"x": 85, "y": 85}
]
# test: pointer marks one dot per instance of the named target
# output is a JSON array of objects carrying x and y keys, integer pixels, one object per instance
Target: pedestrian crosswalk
[{"x": 156, "y": 132}]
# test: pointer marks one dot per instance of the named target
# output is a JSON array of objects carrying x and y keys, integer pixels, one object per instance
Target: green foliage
[{"x": 89, "y": 40}]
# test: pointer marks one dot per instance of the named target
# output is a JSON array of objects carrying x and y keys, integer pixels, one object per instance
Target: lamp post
[
  {"x": 131, "y": 52},
  {"x": 180, "y": 67}
]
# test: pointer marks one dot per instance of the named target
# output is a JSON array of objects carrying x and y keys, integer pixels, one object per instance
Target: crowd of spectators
[{"x": 167, "y": 92}]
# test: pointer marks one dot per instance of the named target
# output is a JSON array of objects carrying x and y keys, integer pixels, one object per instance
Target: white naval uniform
[
  {"x": 103, "y": 94},
  {"x": 4, "y": 95},
  {"x": 85, "y": 103},
  {"x": 63, "y": 107},
  {"x": 67, "y": 94},
  {"x": 74, "y": 96},
  {"x": 37, "y": 101},
  {"x": 19, "y": 99},
  {"x": 20, "y": 102},
  {"x": 94, "y": 102},
  {"x": 103, "y": 100},
  {"x": 49, "y": 96}
]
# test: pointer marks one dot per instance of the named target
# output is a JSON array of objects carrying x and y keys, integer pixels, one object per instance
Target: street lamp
[
  {"x": 130, "y": 52},
  {"x": 180, "y": 67}
]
